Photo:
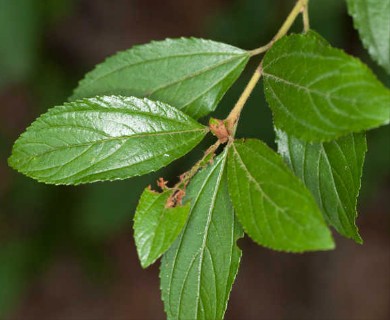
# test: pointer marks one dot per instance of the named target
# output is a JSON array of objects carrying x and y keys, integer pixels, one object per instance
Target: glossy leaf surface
[
  {"x": 156, "y": 226},
  {"x": 332, "y": 172},
  {"x": 371, "y": 18},
  {"x": 319, "y": 93},
  {"x": 198, "y": 271},
  {"x": 104, "y": 138},
  {"x": 274, "y": 207},
  {"x": 189, "y": 74}
]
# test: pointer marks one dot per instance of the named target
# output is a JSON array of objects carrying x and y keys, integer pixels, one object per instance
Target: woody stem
[{"x": 232, "y": 119}]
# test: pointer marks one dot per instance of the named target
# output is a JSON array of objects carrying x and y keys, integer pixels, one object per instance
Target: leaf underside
[
  {"x": 156, "y": 226},
  {"x": 319, "y": 93},
  {"x": 332, "y": 171},
  {"x": 104, "y": 138},
  {"x": 372, "y": 19},
  {"x": 274, "y": 207},
  {"x": 198, "y": 271},
  {"x": 188, "y": 73}
]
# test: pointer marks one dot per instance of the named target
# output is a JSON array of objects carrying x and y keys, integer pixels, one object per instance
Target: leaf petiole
[{"x": 305, "y": 17}]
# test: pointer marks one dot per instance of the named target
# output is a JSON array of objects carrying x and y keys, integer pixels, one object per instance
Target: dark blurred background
[{"x": 67, "y": 252}]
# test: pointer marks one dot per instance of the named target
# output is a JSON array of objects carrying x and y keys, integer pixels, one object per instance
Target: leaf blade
[
  {"x": 319, "y": 93},
  {"x": 332, "y": 171},
  {"x": 371, "y": 18},
  {"x": 188, "y": 73},
  {"x": 155, "y": 226},
  {"x": 191, "y": 286},
  {"x": 272, "y": 205},
  {"x": 104, "y": 138}
]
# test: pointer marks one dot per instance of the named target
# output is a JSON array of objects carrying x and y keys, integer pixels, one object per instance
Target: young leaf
[
  {"x": 274, "y": 207},
  {"x": 332, "y": 172},
  {"x": 156, "y": 226},
  {"x": 189, "y": 74},
  {"x": 371, "y": 18},
  {"x": 104, "y": 138},
  {"x": 198, "y": 271},
  {"x": 319, "y": 93}
]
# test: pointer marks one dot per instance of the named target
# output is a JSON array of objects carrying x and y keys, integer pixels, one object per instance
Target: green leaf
[
  {"x": 332, "y": 172},
  {"x": 198, "y": 271},
  {"x": 371, "y": 18},
  {"x": 319, "y": 93},
  {"x": 274, "y": 207},
  {"x": 189, "y": 74},
  {"x": 157, "y": 226},
  {"x": 104, "y": 138}
]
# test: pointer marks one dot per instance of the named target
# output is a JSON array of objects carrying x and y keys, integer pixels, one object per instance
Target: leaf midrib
[
  {"x": 89, "y": 80},
  {"x": 121, "y": 111},
  {"x": 190, "y": 76},
  {"x": 142, "y": 247},
  {"x": 308, "y": 89},
  {"x": 181, "y": 242},
  {"x": 265, "y": 195},
  {"x": 126, "y": 137},
  {"x": 206, "y": 234},
  {"x": 80, "y": 178}
]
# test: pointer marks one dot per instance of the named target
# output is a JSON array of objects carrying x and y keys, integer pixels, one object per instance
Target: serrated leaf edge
[
  {"x": 13, "y": 165},
  {"x": 313, "y": 35}
]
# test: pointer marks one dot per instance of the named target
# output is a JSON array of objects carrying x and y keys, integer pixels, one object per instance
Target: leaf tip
[
  {"x": 357, "y": 238},
  {"x": 11, "y": 162},
  {"x": 331, "y": 245},
  {"x": 145, "y": 263}
]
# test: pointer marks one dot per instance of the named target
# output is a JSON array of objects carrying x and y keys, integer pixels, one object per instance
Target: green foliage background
[{"x": 39, "y": 224}]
